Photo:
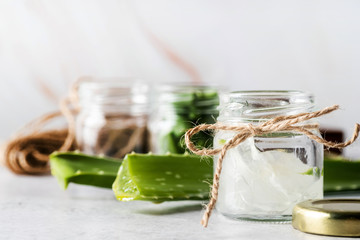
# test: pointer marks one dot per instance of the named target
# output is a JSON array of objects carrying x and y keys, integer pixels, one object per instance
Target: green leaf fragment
[
  {"x": 163, "y": 178},
  {"x": 308, "y": 172},
  {"x": 341, "y": 174},
  {"x": 314, "y": 171},
  {"x": 83, "y": 169}
]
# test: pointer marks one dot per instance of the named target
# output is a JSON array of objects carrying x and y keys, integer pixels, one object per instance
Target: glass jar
[
  {"x": 113, "y": 117},
  {"x": 265, "y": 176},
  {"x": 179, "y": 108}
]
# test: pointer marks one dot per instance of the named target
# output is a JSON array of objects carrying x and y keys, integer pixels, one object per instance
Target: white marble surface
[{"x": 36, "y": 208}]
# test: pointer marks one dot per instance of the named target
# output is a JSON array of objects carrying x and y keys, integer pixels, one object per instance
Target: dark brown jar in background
[{"x": 113, "y": 117}]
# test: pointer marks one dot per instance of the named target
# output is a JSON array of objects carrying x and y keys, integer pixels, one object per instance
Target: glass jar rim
[
  {"x": 262, "y": 105},
  {"x": 269, "y": 93},
  {"x": 122, "y": 94},
  {"x": 178, "y": 87},
  {"x": 112, "y": 82},
  {"x": 202, "y": 97}
]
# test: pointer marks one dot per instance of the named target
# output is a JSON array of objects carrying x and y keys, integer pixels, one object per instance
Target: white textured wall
[{"x": 246, "y": 44}]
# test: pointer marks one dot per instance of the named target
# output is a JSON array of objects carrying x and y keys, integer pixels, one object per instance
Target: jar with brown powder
[{"x": 113, "y": 117}]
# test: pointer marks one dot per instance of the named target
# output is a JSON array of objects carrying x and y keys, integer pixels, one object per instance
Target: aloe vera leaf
[
  {"x": 163, "y": 177},
  {"x": 83, "y": 169},
  {"x": 341, "y": 174}
]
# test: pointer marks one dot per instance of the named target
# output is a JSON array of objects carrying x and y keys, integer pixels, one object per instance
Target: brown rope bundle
[
  {"x": 281, "y": 123},
  {"x": 28, "y": 151},
  {"x": 30, "y": 154}
]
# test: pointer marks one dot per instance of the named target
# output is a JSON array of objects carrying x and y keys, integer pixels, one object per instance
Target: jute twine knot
[{"x": 245, "y": 131}]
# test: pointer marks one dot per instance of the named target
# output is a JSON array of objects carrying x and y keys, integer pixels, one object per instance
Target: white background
[{"x": 311, "y": 45}]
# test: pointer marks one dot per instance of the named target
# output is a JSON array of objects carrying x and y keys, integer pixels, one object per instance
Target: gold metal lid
[{"x": 334, "y": 217}]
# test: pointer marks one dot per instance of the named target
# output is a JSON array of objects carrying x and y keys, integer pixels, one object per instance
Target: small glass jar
[
  {"x": 177, "y": 109},
  {"x": 113, "y": 117},
  {"x": 264, "y": 177}
]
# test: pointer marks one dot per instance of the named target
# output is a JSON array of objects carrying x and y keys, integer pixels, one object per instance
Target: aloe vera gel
[
  {"x": 177, "y": 109},
  {"x": 264, "y": 177}
]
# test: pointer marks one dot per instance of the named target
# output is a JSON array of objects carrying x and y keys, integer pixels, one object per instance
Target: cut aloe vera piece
[
  {"x": 146, "y": 176},
  {"x": 341, "y": 174},
  {"x": 83, "y": 169},
  {"x": 163, "y": 177}
]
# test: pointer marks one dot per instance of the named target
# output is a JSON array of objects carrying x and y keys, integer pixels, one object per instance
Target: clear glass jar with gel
[{"x": 264, "y": 177}]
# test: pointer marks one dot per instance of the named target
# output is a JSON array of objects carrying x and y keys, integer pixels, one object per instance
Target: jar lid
[{"x": 333, "y": 217}]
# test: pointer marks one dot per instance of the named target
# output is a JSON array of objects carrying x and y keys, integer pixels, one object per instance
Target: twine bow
[{"x": 281, "y": 123}]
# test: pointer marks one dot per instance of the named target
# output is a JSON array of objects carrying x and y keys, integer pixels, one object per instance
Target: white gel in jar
[{"x": 264, "y": 177}]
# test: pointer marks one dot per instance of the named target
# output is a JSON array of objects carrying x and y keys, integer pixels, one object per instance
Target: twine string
[
  {"x": 245, "y": 131},
  {"x": 27, "y": 152}
]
